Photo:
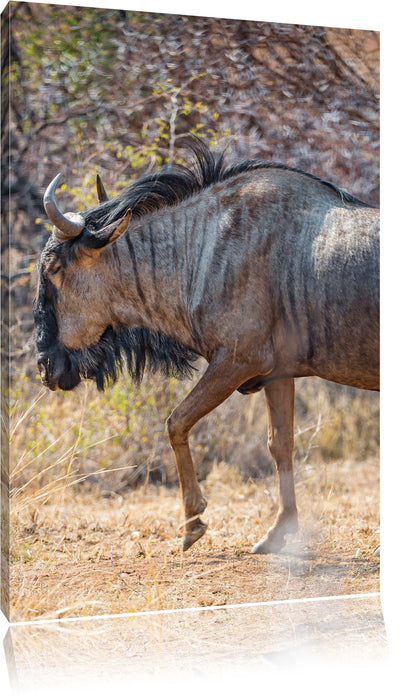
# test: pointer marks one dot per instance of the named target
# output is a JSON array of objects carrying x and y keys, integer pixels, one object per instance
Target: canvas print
[{"x": 190, "y": 331}]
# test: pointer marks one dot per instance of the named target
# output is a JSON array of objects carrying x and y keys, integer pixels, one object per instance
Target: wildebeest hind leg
[
  {"x": 280, "y": 397},
  {"x": 221, "y": 378}
]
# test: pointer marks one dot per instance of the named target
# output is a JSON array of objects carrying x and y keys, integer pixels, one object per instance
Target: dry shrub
[
  {"x": 118, "y": 439},
  {"x": 335, "y": 422}
]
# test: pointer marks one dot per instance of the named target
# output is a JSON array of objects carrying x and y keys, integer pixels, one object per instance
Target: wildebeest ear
[{"x": 110, "y": 233}]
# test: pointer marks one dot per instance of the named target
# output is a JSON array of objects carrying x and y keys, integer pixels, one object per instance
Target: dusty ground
[{"x": 88, "y": 554}]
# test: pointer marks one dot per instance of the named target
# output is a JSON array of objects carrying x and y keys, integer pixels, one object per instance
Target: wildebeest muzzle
[{"x": 56, "y": 369}]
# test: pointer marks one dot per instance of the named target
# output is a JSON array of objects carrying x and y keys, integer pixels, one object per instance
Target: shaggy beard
[{"x": 137, "y": 349}]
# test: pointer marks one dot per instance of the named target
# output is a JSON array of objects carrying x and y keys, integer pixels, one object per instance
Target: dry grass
[
  {"x": 107, "y": 555},
  {"x": 118, "y": 438},
  {"x": 83, "y": 543}
]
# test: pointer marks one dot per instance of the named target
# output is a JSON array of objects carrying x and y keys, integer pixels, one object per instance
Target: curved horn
[
  {"x": 101, "y": 192},
  {"x": 66, "y": 227}
]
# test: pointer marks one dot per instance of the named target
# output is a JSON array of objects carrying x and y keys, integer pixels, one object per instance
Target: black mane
[
  {"x": 137, "y": 349},
  {"x": 172, "y": 185}
]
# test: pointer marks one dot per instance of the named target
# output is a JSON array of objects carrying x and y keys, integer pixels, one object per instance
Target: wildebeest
[{"x": 267, "y": 272}]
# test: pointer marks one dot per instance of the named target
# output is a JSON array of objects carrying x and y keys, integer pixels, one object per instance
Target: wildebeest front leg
[
  {"x": 221, "y": 378},
  {"x": 280, "y": 396}
]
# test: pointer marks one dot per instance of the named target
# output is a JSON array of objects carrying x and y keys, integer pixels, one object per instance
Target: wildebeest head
[
  {"x": 71, "y": 310},
  {"x": 76, "y": 333}
]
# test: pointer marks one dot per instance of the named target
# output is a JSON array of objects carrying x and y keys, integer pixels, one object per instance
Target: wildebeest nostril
[
  {"x": 43, "y": 366},
  {"x": 56, "y": 371}
]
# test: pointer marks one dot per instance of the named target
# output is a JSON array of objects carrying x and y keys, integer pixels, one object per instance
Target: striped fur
[
  {"x": 267, "y": 272},
  {"x": 203, "y": 239}
]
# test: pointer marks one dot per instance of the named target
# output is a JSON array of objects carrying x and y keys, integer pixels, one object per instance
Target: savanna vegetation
[{"x": 114, "y": 92}]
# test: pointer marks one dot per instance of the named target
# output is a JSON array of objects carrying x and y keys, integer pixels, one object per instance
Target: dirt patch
[{"x": 92, "y": 555}]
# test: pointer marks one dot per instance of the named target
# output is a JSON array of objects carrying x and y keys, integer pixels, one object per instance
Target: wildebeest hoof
[
  {"x": 272, "y": 543},
  {"x": 192, "y": 536}
]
